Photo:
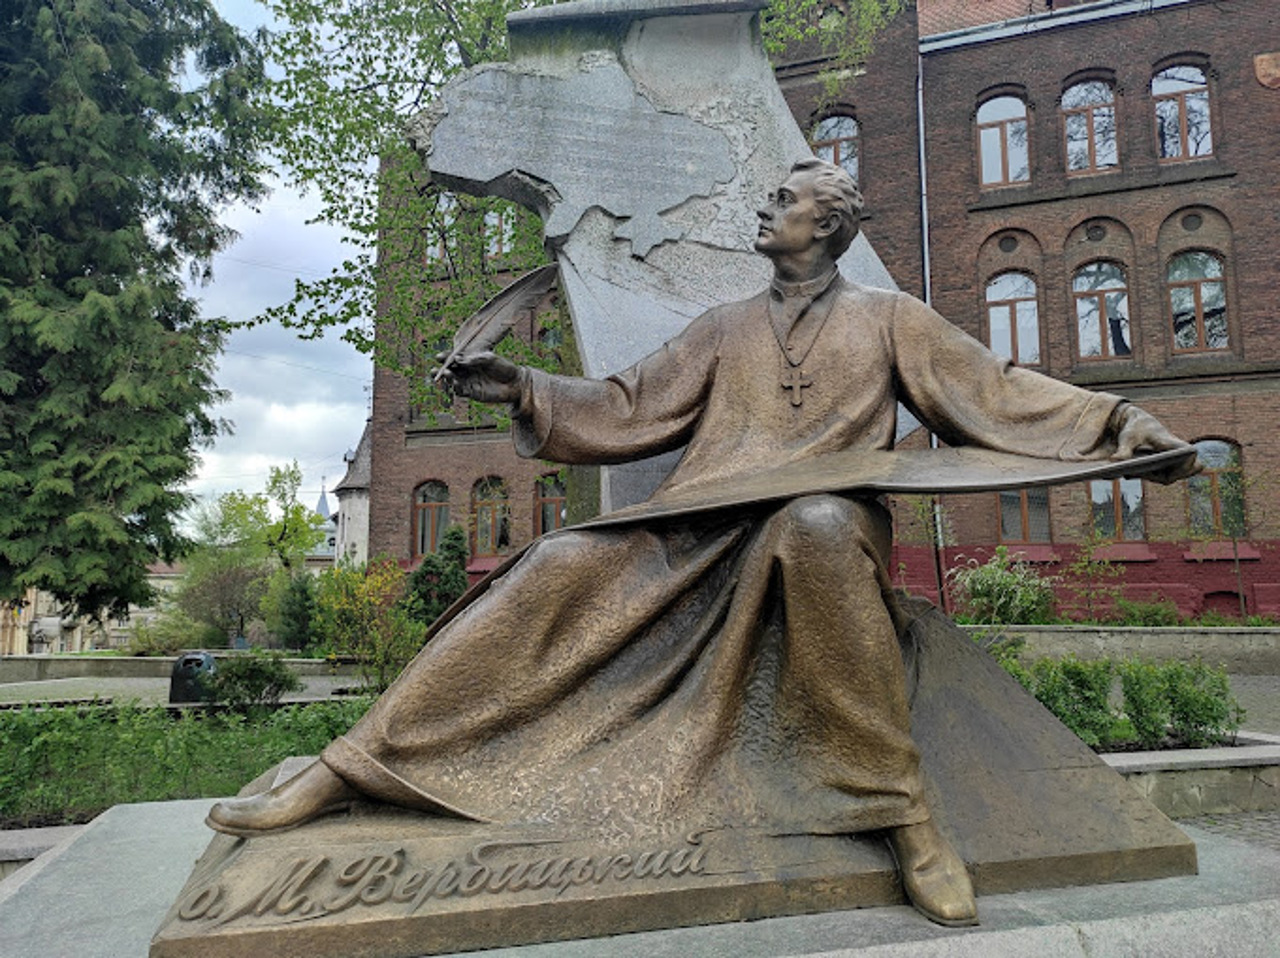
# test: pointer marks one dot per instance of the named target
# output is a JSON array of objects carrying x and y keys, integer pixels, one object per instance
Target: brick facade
[{"x": 1134, "y": 215}]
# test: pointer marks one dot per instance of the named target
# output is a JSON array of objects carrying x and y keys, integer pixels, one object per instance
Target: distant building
[
  {"x": 323, "y": 554},
  {"x": 352, "y": 538}
]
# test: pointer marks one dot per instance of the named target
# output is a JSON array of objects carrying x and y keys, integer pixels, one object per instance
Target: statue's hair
[{"x": 835, "y": 191}]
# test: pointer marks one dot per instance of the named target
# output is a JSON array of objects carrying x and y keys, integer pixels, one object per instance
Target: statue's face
[{"x": 789, "y": 221}]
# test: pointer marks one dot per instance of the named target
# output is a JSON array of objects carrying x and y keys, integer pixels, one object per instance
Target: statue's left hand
[{"x": 1140, "y": 432}]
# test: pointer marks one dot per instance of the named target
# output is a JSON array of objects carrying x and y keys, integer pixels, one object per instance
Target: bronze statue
[{"x": 735, "y": 669}]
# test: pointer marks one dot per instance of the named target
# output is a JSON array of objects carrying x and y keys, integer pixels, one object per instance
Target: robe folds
[{"x": 735, "y": 668}]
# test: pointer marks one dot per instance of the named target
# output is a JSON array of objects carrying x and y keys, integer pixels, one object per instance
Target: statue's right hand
[{"x": 484, "y": 377}]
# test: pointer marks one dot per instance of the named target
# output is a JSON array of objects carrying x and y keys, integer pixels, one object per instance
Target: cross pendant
[{"x": 796, "y": 380}]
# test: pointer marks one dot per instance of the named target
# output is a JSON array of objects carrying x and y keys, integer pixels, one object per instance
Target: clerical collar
[{"x": 809, "y": 288}]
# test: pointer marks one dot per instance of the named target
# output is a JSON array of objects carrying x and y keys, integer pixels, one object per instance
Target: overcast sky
[{"x": 291, "y": 399}]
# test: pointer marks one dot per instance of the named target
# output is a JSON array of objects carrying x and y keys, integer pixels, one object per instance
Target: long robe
[{"x": 729, "y": 669}]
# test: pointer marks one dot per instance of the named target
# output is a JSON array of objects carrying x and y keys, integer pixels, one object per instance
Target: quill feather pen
[{"x": 490, "y": 322}]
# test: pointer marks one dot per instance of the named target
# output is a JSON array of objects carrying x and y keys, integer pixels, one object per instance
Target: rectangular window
[
  {"x": 1117, "y": 509},
  {"x": 1024, "y": 516}
]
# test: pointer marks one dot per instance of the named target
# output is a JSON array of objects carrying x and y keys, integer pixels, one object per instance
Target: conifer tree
[{"x": 125, "y": 126}]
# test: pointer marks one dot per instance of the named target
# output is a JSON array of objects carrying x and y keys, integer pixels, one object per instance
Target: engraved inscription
[{"x": 318, "y": 885}]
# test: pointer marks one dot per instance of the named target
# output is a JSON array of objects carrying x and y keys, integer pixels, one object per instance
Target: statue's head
[{"x": 818, "y": 201}]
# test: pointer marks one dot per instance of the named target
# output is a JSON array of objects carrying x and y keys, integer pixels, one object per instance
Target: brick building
[
  {"x": 1094, "y": 199},
  {"x": 1102, "y": 203}
]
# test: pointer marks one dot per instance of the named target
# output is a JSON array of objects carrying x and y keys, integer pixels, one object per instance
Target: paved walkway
[{"x": 146, "y": 691}]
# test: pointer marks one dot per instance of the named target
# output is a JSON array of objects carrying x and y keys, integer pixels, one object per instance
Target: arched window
[
  {"x": 1024, "y": 516},
  {"x": 549, "y": 504},
  {"x": 1003, "y": 156},
  {"x": 492, "y": 517},
  {"x": 1183, "y": 130},
  {"x": 1197, "y": 302},
  {"x": 1117, "y": 509},
  {"x": 1215, "y": 497},
  {"x": 835, "y": 140},
  {"x": 1102, "y": 310},
  {"x": 430, "y": 516},
  {"x": 1013, "y": 319},
  {"x": 1089, "y": 121}
]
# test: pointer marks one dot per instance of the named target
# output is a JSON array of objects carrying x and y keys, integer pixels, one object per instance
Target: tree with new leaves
[
  {"x": 247, "y": 548},
  {"x": 125, "y": 125},
  {"x": 350, "y": 74}
]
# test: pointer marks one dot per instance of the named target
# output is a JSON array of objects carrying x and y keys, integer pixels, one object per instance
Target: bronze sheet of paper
[{"x": 880, "y": 471}]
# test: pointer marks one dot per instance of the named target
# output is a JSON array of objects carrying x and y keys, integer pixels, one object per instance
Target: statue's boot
[
  {"x": 933, "y": 875},
  {"x": 315, "y": 791}
]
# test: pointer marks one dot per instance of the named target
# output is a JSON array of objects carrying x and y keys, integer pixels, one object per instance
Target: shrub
[
  {"x": 1201, "y": 708},
  {"x": 294, "y": 623},
  {"x": 1004, "y": 591},
  {"x": 252, "y": 678},
  {"x": 1155, "y": 613},
  {"x": 1079, "y": 694},
  {"x": 1146, "y": 701},
  {"x": 441, "y": 577},
  {"x": 168, "y": 634},
  {"x": 359, "y": 612}
]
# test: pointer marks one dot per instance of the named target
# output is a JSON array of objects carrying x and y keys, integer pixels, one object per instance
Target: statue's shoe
[
  {"x": 314, "y": 792},
  {"x": 933, "y": 875}
]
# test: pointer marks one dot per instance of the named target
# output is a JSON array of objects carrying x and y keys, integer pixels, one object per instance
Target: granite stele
[{"x": 706, "y": 706}]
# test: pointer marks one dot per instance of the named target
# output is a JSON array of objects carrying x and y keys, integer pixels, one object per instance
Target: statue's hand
[
  {"x": 1140, "y": 432},
  {"x": 484, "y": 377}
]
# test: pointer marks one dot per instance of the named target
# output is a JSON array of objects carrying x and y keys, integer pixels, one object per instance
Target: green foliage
[
  {"x": 1003, "y": 591},
  {"x": 248, "y": 547},
  {"x": 359, "y": 611},
  {"x": 256, "y": 677},
  {"x": 222, "y": 590},
  {"x": 441, "y": 577},
  {"x": 1146, "y": 701},
  {"x": 1201, "y": 708},
  {"x": 1078, "y": 693},
  {"x": 1094, "y": 581},
  {"x": 1155, "y": 613},
  {"x": 168, "y": 634},
  {"x": 1191, "y": 702},
  {"x": 124, "y": 127},
  {"x": 66, "y": 765},
  {"x": 349, "y": 75},
  {"x": 294, "y": 620},
  {"x": 844, "y": 32},
  {"x": 265, "y": 526}
]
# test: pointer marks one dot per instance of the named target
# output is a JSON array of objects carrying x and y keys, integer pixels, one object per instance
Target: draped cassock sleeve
[
  {"x": 970, "y": 396},
  {"x": 650, "y": 408}
]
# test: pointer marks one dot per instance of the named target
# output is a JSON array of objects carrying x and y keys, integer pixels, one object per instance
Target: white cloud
[{"x": 291, "y": 399}]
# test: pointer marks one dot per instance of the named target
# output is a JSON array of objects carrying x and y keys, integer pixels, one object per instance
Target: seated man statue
[{"x": 730, "y": 669}]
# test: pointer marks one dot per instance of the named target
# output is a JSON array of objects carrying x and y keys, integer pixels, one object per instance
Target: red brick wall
[{"x": 1234, "y": 394}]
